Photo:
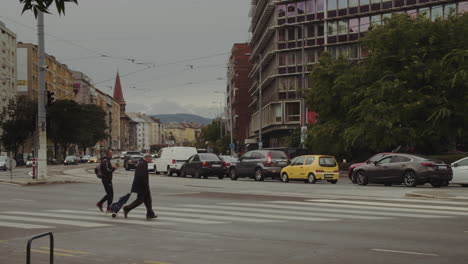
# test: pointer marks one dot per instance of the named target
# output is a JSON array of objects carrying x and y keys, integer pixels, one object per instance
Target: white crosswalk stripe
[
  {"x": 52, "y": 221},
  {"x": 23, "y": 226},
  {"x": 400, "y": 205}
]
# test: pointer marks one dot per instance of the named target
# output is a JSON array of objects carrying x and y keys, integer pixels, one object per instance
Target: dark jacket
[
  {"x": 141, "y": 180},
  {"x": 106, "y": 168}
]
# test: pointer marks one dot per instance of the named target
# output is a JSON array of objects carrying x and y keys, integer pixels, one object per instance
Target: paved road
[{"x": 222, "y": 221}]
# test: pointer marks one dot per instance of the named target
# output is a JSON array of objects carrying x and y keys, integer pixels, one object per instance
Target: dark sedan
[
  {"x": 132, "y": 162},
  {"x": 204, "y": 164},
  {"x": 409, "y": 169},
  {"x": 259, "y": 164}
]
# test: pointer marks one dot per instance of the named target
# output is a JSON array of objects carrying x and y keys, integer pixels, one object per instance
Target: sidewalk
[
  {"x": 23, "y": 176},
  {"x": 447, "y": 193}
]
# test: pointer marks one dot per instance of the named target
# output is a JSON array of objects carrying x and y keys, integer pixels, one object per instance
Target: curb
[
  {"x": 38, "y": 182},
  {"x": 420, "y": 195}
]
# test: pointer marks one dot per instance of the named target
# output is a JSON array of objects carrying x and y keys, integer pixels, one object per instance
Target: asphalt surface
[{"x": 224, "y": 221}]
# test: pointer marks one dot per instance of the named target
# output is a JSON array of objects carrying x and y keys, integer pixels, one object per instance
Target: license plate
[
  {"x": 216, "y": 166},
  {"x": 442, "y": 167},
  {"x": 329, "y": 175},
  {"x": 282, "y": 163}
]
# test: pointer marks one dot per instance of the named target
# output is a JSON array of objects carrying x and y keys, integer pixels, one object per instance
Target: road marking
[
  {"x": 67, "y": 251},
  {"x": 75, "y": 214},
  {"x": 22, "y": 200},
  {"x": 23, "y": 226},
  {"x": 348, "y": 211},
  {"x": 378, "y": 208},
  {"x": 405, "y": 252},
  {"x": 413, "y": 200},
  {"x": 299, "y": 213},
  {"x": 156, "y": 262},
  {"x": 397, "y": 205},
  {"x": 48, "y": 252},
  {"x": 52, "y": 221},
  {"x": 269, "y": 216}
]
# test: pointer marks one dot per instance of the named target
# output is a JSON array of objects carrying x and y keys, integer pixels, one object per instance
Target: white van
[{"x": 171, "y": 159}]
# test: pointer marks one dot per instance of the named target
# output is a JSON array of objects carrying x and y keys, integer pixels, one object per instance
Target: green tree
[
  {"x": 45, "y": 5},
  {"x": 210, "y": 136},
  {"x": 93, "y": 126},
  {"x": 18, "y": 122}
]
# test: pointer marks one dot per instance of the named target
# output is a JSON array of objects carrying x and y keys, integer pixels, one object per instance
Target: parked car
[
  {"x": 71, "y": 160},
  {"x": 460, "y": 172},
  {"x": 29, "y": 162},
  {"x": 128, "y": 155},
  {"x": 171, "y": 159},
  {"x": 133, "y": 161},
  {"x": 85, "y": 158},
  {"x": 152, "y": 165},
  {"x": 259, "y": 164},
  {"x": 93, "y": 160},
  {"x": 376, "y": 157},
  {"x": 409, "y": 169},
  {"x": 3, "y": 162},
  {"x": 204, "y": 165},
  {"x": 311, "y": 168},
  {"x": 122, "y": 154}
]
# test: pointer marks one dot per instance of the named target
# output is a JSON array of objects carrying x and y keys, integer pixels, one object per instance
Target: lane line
[
  {"x": 413, "y": 200},
  {"x": 453, "y": 208},
  {"x": 22, "y": 226},
  {"x": 331, "y": 210},
  {"x": 53, "y": 221},
  {"x": 290, "y": 213},
  {"x": 405, "y": 252},
  {"x": 48, "y": 252},
  {"x": 22, "y": 200},
  {"x": 67, "y": 251},
  {"x": 269, "y": 216},
  {"x": 156, "y": 262},
  {"x": 378, "y": 208}
]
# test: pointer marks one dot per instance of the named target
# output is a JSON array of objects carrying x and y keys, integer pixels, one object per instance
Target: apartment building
[
  {"x": 237, "y": 93},
  {"x": 59, "y": 78},
  {"x": 287, "y": 38},
  {"x": 142, "y": 131},
  {"x": 8, "y": 66},
  {"x": 82, "y": 87}
]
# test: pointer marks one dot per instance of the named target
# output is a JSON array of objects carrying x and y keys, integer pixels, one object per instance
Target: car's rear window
[
  {"x": 136, "y": 158},
  {"x": 132, "y": 153},
  {"x": 209, "y": 157},
  {"x": 278, "y": 155},
  {"x": 327, "y": 162},
  {"x": 3, "y": 158}
]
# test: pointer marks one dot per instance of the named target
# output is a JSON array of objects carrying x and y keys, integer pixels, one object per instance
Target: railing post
[{"x": 28, "y": 248}]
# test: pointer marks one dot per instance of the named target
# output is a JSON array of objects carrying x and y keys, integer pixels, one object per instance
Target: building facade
[
  {"x": 8, "y": 66},
  {"x": 59, "y": 78},
  {"x": 238, "y": 99},
  {"x": 82, "y": 87},
  {"x": 287, "y": 38},
  {"x": 142, "y": 131}
]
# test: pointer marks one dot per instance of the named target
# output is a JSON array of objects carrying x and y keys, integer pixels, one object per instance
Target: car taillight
[
  {"x": 268, "y": 158},
  {"x": 226, "y": 164},
  {"x": 205, "y": 164},
  {"x": 428, "y": 164},
  {"x": 174, "y": 161},
  {"x": 319, "y": 171},
  {"x": 130, "y": 162},
  {"x": 336, "y": 171}
]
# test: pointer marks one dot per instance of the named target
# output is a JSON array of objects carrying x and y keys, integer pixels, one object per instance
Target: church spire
[{"x": 118, "y": 94}]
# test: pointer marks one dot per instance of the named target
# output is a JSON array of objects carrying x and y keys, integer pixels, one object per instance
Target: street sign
[
  {"x": 11, "y": 164},
  {"x": 232, "y": 146}
]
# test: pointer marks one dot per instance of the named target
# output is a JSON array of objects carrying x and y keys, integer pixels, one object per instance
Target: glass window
[
  {"x": 462, "y": 7},
  {"x": 331, "y": 5},
  {"x": 327, "y": 162},
  {"x": 463, "y": 162},
  {"x": 282, "y": 59},
  {"x": 319, "y": 6},
  {"x": 281, "y": 10},
  {"x": 386, "y": 15},
  {"x": 375, "y": 1},
  {"x": 364, "y": 24},
  {"x": 299, "y": 58},
  {"x": 320, "y": 30},
  {"x": 278, "y": 155},
  {"x": 310, "y": 6},
  {"x": 332, "y": 51},
  {"x": 354, "y": 25},
  {"x": 385, "y": 160},
  {"x": 364, "y": 2},
  {"x": 353, "y": 3},
  {"x": 291, "y": 34},
  {"x": 311, "y": 31},
  {"x": 376, "y": 20},
  {"x": 281, "y": 35},
  {"x": 309, "y": 160},
  {"x": 196, "y": 158},
  {"x": 331, "y": 29},
  {"x": 299, "y": 33},
  {"x": 437, "y": 12},
  {"x": 300, "y": 8},
  {"x": 311, "y": 56},
  {"x": 291, "y": 59},
  {"x": 291, "y": 9},
  {"x": 412, "y": 12},
  {"x": 451, "y": 8},
  {"x": 425, "y": 11},
  {"x": 354, "y": 52},
  {"x": 299, "y": 161},
  {"x": 364, "y": 52},
  {"x": 209, "y": 157},
  {"x": 342, "y": 4},
  {"x": 342, "y": 27}
]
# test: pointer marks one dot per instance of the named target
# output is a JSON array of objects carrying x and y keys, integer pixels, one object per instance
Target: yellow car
[
  {"x": 93, "y": 160},
  {"x": 311, "y": 168}
]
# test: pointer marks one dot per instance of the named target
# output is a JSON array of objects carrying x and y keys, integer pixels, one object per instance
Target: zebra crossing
[{"x": 312, "y": 210}]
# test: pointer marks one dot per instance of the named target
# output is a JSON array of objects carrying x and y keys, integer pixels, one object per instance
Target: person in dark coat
[
  {"x": 107, "y": 172},
  {"x": 141, "y": 187}
]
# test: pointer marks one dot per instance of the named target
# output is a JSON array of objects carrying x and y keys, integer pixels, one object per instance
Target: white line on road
[
  {"x": 22, "y": 200},
  {"x": 414, "y": 200},
  {"x": 405, "y": 252},
  {"x": 23, "y": 226},
  {"x": 396, "y": 205},
  {"x": 285, "y": 208},
  {"x": 52, "y": 221}
]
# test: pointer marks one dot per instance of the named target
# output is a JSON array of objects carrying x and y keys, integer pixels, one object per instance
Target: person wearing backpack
[{"x": 106, "y": 171}]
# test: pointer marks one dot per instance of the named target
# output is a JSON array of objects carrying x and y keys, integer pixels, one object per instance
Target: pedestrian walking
[
  {"x": 141, "y": 187},
  {"x": 107, "y": 172}
]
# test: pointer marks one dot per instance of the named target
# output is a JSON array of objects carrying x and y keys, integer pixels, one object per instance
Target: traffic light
[{"x": 50, "y": 98}]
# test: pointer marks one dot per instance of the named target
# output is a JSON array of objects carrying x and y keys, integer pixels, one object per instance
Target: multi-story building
[
  {"x": 59, "y": 78},
  {"x": 112, "y": 119},
  {"x": 142, "y": 131},
  {"x": 82, "y": 87},
  {"x": 8, "y": 66},
  {"x": 289, "y": 35},
  {"x": 237, "y": 93},
  {"x": 159, "y": 131},
  {"x": 181, "y": 134}
]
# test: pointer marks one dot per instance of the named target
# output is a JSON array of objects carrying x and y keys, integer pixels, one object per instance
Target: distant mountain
[{"x": 168, "y": 118}]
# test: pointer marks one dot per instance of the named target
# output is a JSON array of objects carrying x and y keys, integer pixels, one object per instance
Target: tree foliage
[
  {"x": 45, "y": 5},
  {"x": 210, "y": 137},
  {"x": 411, "y": 90}
]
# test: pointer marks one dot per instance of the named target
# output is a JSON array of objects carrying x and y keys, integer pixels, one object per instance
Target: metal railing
[{"x": 28, "y": 249}]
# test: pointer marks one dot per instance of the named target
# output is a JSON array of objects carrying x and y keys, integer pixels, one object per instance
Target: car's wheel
[
  {"x": 155, "y": 170},
  {"x": 220, "y": 177},
  {"x": 464, "y": 185},
  {"x": 333, "y": 181},
  {"x": 205, "y": 176},
  {"x": 361, "y": 178},
  {"x": 232, "y": 174},
  {"x": 259, "y": 175},
  {"x": 197, "y": 174},
  {"x": 182, "y": 173},
  {"x": 445, "y": 183},
  {"x": 436, "y": 184},
  {"x": 284, "y": 177},
  {"x": 409, "y": 179},
  {"x": 127, "y": 168},
  {"x": 353, "y": 177},
  {"x": 169, "y": 171},
  {"x": 311, "y": 178},
  {"x": 178, "y": 173}
]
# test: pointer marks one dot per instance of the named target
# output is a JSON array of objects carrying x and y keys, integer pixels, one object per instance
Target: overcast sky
[{"x": 147, "y": 31}]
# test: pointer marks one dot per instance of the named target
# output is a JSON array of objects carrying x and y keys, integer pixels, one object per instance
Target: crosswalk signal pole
[{"x": 41, "y": 111}]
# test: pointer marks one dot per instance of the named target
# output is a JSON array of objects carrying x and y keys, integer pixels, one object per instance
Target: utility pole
[{"x": 41, "y": 113}]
